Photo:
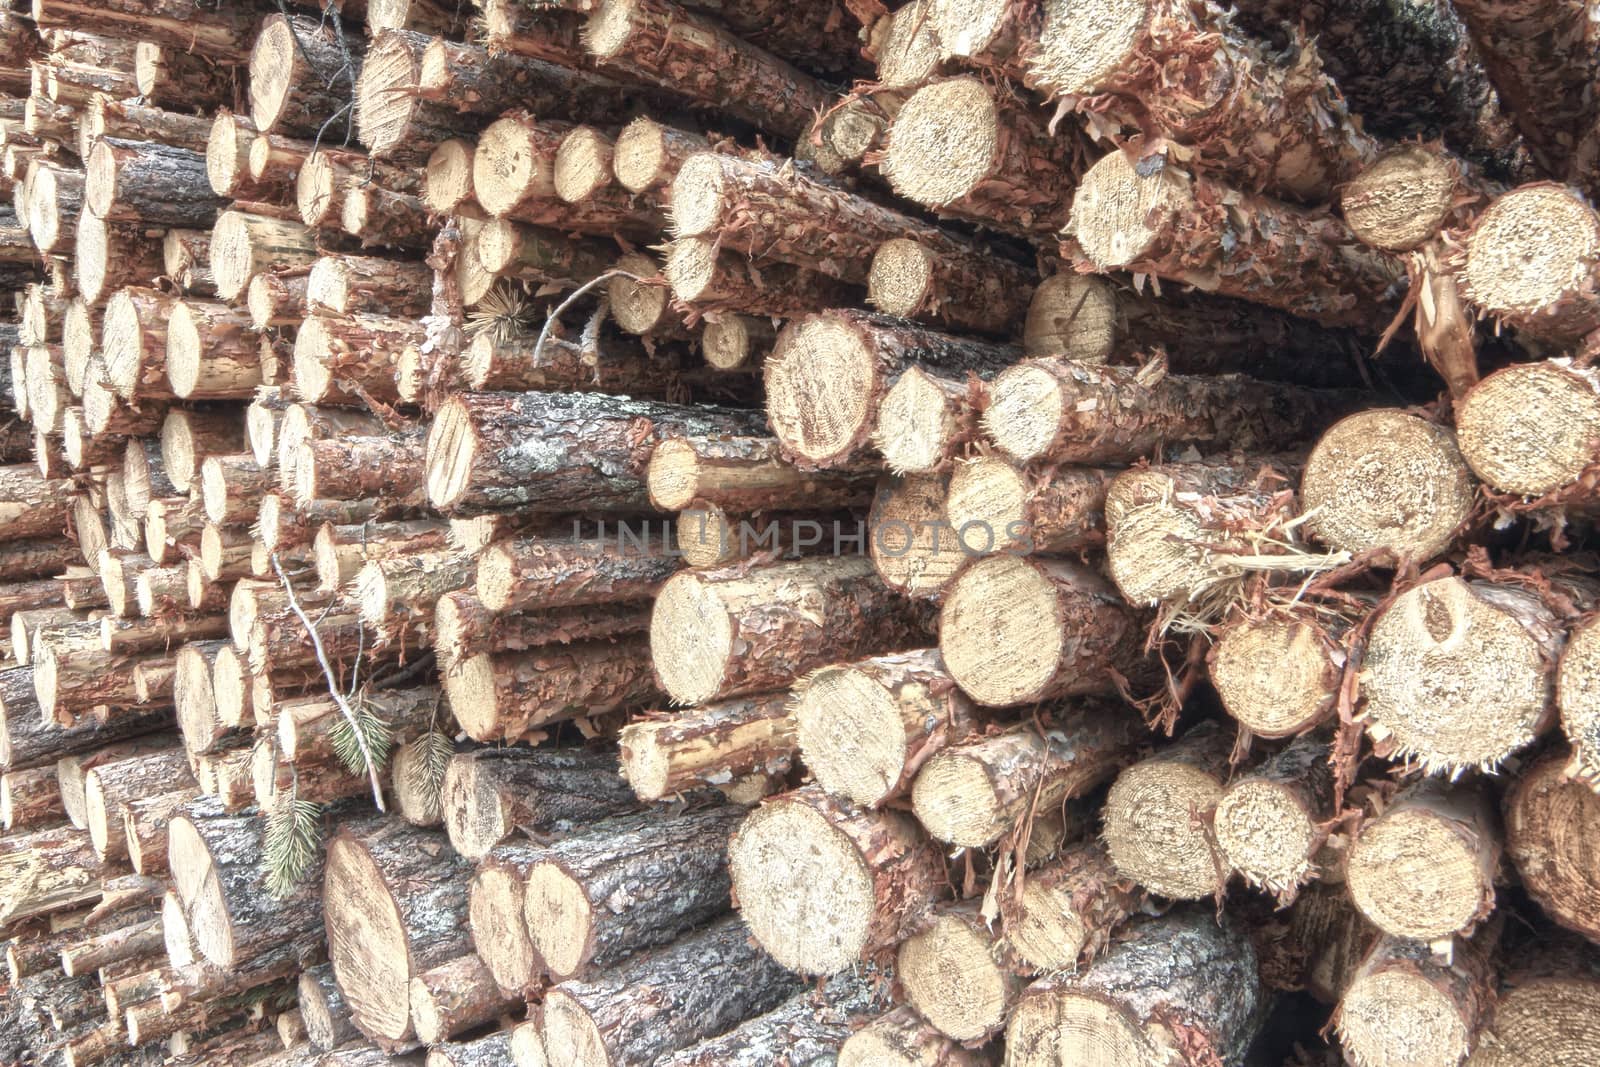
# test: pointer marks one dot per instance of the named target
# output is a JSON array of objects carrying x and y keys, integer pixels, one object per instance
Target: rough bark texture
[
  {"x": 807, "y": 1028},
  {"x": 744, "y": 474},
  {"x": 1197, "y": 231},
  {"x": 488, "y": 793},
  {"x": 547, "y": 573},
  {"x": 145, "y": 181},
  {"x": 502, "y": 696},
  {"x": 454, "y": 997},
  {"x": 1180, "y": 986},
  {"x": 544, "y": 450},
  {"x": 700, "y": 986}
]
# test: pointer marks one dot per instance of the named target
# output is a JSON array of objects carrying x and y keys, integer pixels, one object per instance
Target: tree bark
[
  {"x": 30, "y": 799},
  {"x": 1058, "y": 410},
  {"x": 548, "y": 572},
  {"x": 561, "y": 366},
  {"x": 224, "y": 35},
  {"x": 719, "y": 745},
  {"x": 501, "y": 696},
  {"x": 29, "y": 739},
  {"x": 464, "y": 627},
  {"x": 809, "y": 1027},
  {"x": 1182, "y": 986},
  {"x": 727, "y": 633},
  {"x": 1068, "y": 911},
  {"x": 844, "y": 362},
  {"x": 657, "y": 42},
  {"x": 902, "y": 1039},
  {"x": 994, "y": 506},
  {"x": 384, "y": 218},
  {"x": 454, "y": 997},
  {"x": 624, "y": 885},
  {"x": 341, "y": 551},
  {"x": 150, "y": 183},
  {"x": 708, "y": 982},
  {"x": 1548, "y": 828},
  {"x": 591, "y": 448},
  {"x": 1197, "y": 231},
  {"x": 802, "y": 855},
  {"x": 1015, "y": 630},
  {"x": 1151, "y": 829},
  {"x": 973, "y": 793},
  {"x": 30, "y": 505},
  {"x": 396, "y": 907},
  {"x": 707, "y": 282},
  {"x": 336, "y": 359},
  {"x": 488, "y": 793}
]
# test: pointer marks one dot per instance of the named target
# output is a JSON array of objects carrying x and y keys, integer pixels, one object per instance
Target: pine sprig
[
  {"x": 374, "y": 731},
  {"x": 430, "y": 756},
  {"x": 292, "y": 841}
]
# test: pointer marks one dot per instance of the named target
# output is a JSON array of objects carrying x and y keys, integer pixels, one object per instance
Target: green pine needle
[
  {"x": 293, "y": 839},
  {"x": 373, "y": 729},
  {"x": 431, "y": 754}
]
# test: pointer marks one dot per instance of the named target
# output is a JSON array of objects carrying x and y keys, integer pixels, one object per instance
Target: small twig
[
  {"x": 339, "y": 698},
  {"x": 555, "y": 315}
]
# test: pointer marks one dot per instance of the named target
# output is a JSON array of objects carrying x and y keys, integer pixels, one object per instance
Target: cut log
[
  {"x": 647, "y": 153},
  {"x": 745, "y": 474},
  {"x": 302, "y": 72},
  {"x": 828, "y": 373},
  {"x": 693, "y": 57},
  {"x": 464, "y": 628},
  {"x": 1015, "y": 630},
  {"x": 109, "y": 787},
  {"x": 1530, "y": 428},
  {"x": 710, "y": 282},
  {"x": 1279, "y": 675},
  {"x": 803, "y": 856},
  {"x": 110, "y": 256},
  {"x": 598, "y": 897},
  {"x": 1404, "y": 1002},
  {"x": 454, "y": 997},
  {"x": 955, "y": 974},
  {"x": 276, "y": 300},
  {"x": 349, "y": 285},
  {"x": 476, "y": 459},
  {"x": 995, "y": 506},
  {"x": 31, "y": 506},
  {"x": 488, "y": 793},
  {"x": 323, "y": 1009},
  {"x": 1269, "y": 822},
  {"x": 732, "y": 342},
  {"x": 902, "y": 1039},
  {"x": 1058, "y": 410},
  {"x": 336, "y": 359},
  {"x": 244, "y": 244},
  {"x": 721, "y": 634},
  {"x": 150, "y": 183},
  {"x": 132, "y": 940},
  {"x": 224, "y": 35},
  {"x": 394, "y": 593},
  {"x": 28, "y": 739},
  {"x": 1181, "y": 532},
  {"x": 55, "y": 199},
  {"x": 1407, "y": 195},
  {"x": 396, "y": 907},
  {"x": 134, "y": 343},
  {"x": 1068, "y": 910},
  {"x": 971, "y": 794},
  {"x": 231, "y": 488},
  {"x": 144, "y": 827},
  {"x": 501, "y": 696},
  {"x": 622, "y": 370},
  {"x": 709, "y": 981},
  {"x": 719, "y": 745},
  {"x": 546, "y": 572},
  {"x": 1151, "y": 826},
  {"x": 639, "y": 299},
  {"x": 1384, "y": 479},
  {"x": 1491, "y": 647},
  {"x": 808, "y": 1027},
  {"x": 1009, "y": 172},
  {"x": 1181, "y": 988},
  {"x": 447, "y": 176},
  {"x": 186, "y": 259},
  {"x": 1425, "y": 868},
  {"x": 1577, "y": 683},
  {"x": 950, "y": 283},
  {"x": 1175, "y": 226},
  {"x": 1549, "y": 827},
  {"x": 234, "y": 919},
  {"x": 341, "y": 551},
  {"x": 1527, "y": 262},
  {"x": 47, "y": 871},
  {"x": 358, "y": 468},
  {"x": 210, "y": 353},
  {"x": 30, "y": 799},
  {"x": 495, "y": 911},
  {"x": 384, "y": 218}
]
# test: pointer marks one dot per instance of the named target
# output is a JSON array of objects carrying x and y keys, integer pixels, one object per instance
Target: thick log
[
  {"x": 955, "y": 974},
  {"x": 802, "y": 856},
  {"x": 708, "y": 981},
  {"x": 1548, "y": 821},
  {"x": 416, "y": 92},
  {"x": 323, "y": 1009},
  {"x": 396, "y": 592},
  {"x": 727, "y": 633},
  {"x": 1151, "y": 830},
  {"x": 843, "y": 363},
  {"x": 1009, "y": 172},
  {"x": 1529, "y": 429},
  {"x": 134, "y": 343},
  {"x": 228, "y": 146},
  {"x": 590, "y": 448},
  {"x": 395, "y": 908},
  {"x": 336, "y": 359},
  {"x": 1269, "y": 822},
  {"x": 595, "y": 898},
  {"x": 1057, "y": 410},
  {"x": 1182, "y": 987},
  {"x": 244, "y": 244},
  {"x": 447, "y": 176},
  {"x": 1493, "y": 646},
  {"x": 233, "y": 918},
  {"x": 1279, "y": 675},
  {"x": 109, "y": 787},
  {"x": 501, "y": 696},
  {"x": 495, "y": 911},
  {"x": 341, "y": 551},
  {"x": 973, "y": 793},
  {"x": 150, "y": 183},
  {"x": 110, "y": 256},
  {"x": 647, "y": 153},
  {"x": 27, "y": 739},
  {"x": 359, "y": 468},
  {"x": 224, "y": 35},
  {"x": 1177, "y": 531},
  {"x": 1425, "y": 868},
  {"x": 657, "y": 42},
  {"x": 69, "y": 682},
  {"x": 809, "y": 1026},
  {"x": 722, "y": 745},
  {"x": 1176, "y": 226},
  {"x": 211, "y": 353},
  {"x": 303, "y": 71},
  {"x": 455, "y": 997},
  {"x": 1014, "y": 630},
  {"x": 1445, "y": 1004},
  {"x": 55, "y": 199},
  {"x": 231, "y": 488}
]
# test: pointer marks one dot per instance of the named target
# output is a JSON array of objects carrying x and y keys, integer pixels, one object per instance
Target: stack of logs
[{"x": 667, "y": 533}]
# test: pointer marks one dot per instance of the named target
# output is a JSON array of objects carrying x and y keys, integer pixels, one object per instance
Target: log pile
[{"x": 660, "y": 533}]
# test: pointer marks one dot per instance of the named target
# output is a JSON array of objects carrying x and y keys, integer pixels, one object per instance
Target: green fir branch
[
  {"x": 293, "y": 839},
  {"x": 374, "y": 732}
]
